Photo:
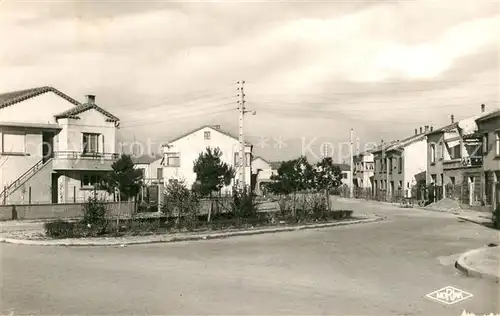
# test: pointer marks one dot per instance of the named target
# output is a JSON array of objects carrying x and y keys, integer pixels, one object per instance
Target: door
[
  {"x": 48, "y": 145},
  {"x": 54, "y": 188},
  {"x": 471, "y": 190}
]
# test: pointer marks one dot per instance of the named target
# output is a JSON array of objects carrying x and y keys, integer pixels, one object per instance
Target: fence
[{"x": 64, "y": 211}]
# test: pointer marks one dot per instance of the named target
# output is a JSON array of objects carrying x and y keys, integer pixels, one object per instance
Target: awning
[{"x": 453, "y": 143}]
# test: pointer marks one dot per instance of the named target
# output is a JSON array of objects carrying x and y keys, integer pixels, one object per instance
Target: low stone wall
[{"x": 54, "y": 211}]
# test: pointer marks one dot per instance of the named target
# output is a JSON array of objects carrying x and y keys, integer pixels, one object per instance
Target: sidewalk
[{"x": 481, "y": 263}]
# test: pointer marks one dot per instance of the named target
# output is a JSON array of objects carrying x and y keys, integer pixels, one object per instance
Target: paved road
[{"x": 383, "y": 268}]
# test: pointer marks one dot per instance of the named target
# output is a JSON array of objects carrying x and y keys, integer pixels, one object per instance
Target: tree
[
  {"x": 124, "y": 178},
  {"x": 212, "y": 174},
  {"x": 327, "y": 176},
  {"x": 293, "y": 176}
]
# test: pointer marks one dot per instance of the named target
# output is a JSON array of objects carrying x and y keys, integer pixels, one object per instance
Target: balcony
[
  {"x": 72, "y": 160},
  {"x": 463, "y": 163}
]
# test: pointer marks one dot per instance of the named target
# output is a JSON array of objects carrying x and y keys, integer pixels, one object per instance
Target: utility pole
[
  {"x": 351, "y": 181},
  {"x": 242, "y": 112}
]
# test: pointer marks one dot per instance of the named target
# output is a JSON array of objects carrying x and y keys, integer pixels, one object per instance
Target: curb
[
  {"x": 467, "y": 219},
  {"x": 167, "y": 239},
  {"x": 462, "y": 265}
]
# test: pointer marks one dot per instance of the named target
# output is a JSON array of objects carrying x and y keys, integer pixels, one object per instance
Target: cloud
[{"x": 322, "y": 67}]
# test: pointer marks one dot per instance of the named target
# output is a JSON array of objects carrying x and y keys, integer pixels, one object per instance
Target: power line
[{"x": 177, "y": 119}]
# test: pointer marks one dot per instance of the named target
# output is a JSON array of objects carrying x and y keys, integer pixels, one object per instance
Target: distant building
[
  {"x": 346, "y": 173},
  {"x": 399, "y": 164},
  {"x": 363, "y": 170},
  {"x": 262, "y": 170},
  {"x": 180, "y": 153},
  {"x": 151, "y": 167}
]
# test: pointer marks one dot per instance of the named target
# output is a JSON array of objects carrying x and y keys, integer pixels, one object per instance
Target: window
[
  {"x": 497, "y": 143},
  {"x": 389, "y": 165},
  {"x": 173, "y": 160},
  {"x": 433, "y": 153},
  {"x": 441, "y": 150},
  {"x": 456, "y": 151},
  {"x": 90, "y": 143},
  {"x": 91, "y": 180},
  {"x": 400, "y": 164},
  {"x": 143, "y": 171},
  {"x": 237, "y": 159},
  {"x": 344, "y": 175},
  {"x": 452, "y": 179},
  {"x": 13, "y": 142},
  {"x": 485, "y": 144},
  {"x": 159, "y": 173},
  {"x": 207, "y": 135}
]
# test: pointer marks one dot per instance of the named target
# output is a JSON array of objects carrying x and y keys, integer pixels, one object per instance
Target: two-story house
[
  {"x": 489, "y": 127},
  {"x": 399, "y": 166},
  {"x": 455, "y": 160},
  {"x": 181, "y": 152},
  {"x": 363, "y": 170},
  {"x": 54, "y": 149}
]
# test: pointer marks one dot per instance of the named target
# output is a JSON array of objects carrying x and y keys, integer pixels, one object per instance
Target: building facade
[
  {"x": 489, "y": 127},
  {"x": 54, "y": 149},
  {"x": 399, "y": 166},
  {"x": 180, "y": 154},
  {"x": 151, "y": 167},
  {"x": 262, "y": 171},
  {"x": 363, "y": 170}
]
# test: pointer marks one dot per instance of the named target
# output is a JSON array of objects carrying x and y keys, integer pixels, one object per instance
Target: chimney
[
  {"x": 416, "y": 131},
  {"x": 420, "y": 129},
  {"x": 483, "y": 107},
  {"x": 452, "y": 119},
  {"x": 426, "y": 128},
  {"x": 90, "y": 98},
  {"x": 216, "y": 127},
  {"x": 431, "y": 128}
]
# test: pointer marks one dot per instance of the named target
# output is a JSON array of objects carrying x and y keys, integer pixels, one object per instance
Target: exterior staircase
[{"x": 22, "y": 180}]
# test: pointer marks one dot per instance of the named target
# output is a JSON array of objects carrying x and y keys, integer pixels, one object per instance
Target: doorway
[
  {"x": 54, "y": 188},
  {"x": 48, "y": 146}
]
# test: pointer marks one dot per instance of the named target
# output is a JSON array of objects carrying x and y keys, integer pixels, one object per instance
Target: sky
[{"x": 313, "y": 70}]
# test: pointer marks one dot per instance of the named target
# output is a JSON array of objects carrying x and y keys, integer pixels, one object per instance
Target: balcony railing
[
  {"x": 465, "y": 162},
  {"x": 85, "y": 155}
]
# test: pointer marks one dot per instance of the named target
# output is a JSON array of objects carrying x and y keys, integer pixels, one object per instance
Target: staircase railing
[{"x": 19, "y": 181}]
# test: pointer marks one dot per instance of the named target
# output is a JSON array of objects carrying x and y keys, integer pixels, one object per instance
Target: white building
[
  {"x": 181, "y": 152},
  {"x": 54, "y": 149},
  {"x": 262, "y": 170},
  {"x": 151, "y": 167},
  {"x": 363, "y": 170}
]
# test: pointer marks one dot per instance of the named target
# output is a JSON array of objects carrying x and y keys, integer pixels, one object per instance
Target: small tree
[
  {"x": 327, "y": 176},
  {"x": 124, "y": 178},
  {"x": 182, "y": 200},
  {"x": 212, "y": 174},
  {"x": 293, "y": 176}
]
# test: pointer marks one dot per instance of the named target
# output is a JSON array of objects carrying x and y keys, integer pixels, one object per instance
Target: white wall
[
  {"x": 192, "y": 145},
  {"x": 91, "y": 121},
  {"x": 150, "y": 170},
  {"x": 415, "y": 161},
  {"x": 40, "y": 109},
  {"x": 260, "y": 163}
]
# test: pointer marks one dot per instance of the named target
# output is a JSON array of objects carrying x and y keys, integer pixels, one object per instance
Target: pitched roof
[
  {"x": 202, "y": 127},
  {"x": 73, "y": 112},
  {"x": 10, "y": 98},
  {"x": 444, "y": 129},
  {"x": 343, "y": 166},
  {"x": 495, "y": 113},
  {"x": 146, "y": 159},
  {"x": 384, "y": 146},
  {"x": 259, "y": 157},
  {"x": 275, "y": 165}
]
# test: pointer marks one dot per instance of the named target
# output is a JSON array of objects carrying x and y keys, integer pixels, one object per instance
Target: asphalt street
[{"x": 383, "y": 268}]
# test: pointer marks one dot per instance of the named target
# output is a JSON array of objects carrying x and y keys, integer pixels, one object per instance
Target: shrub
[
  {"x": 496, "y": 217},
  {"x": 183, "y": 204},
  {"x": 244, "y": 205},
  {"x": 59, "y": 229},
  {"x": 94, "y": 216},
  {"x": 143, "y": 226}
]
